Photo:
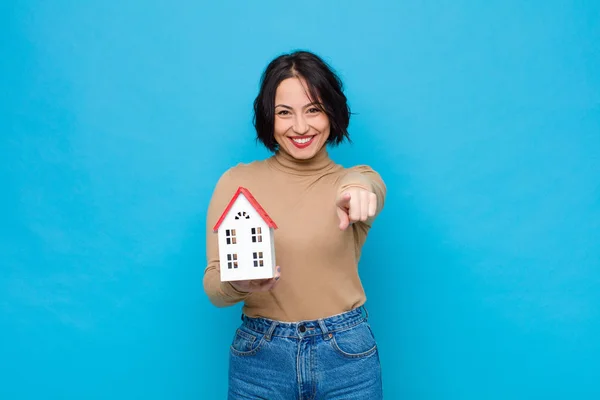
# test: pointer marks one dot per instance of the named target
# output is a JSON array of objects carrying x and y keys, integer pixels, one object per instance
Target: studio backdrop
[{"x": 118, "y": 117}]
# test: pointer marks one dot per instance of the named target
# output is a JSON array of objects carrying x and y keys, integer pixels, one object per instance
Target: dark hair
[{"x": 323, "y": 84}]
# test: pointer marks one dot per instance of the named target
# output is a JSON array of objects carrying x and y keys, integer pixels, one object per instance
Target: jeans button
[{"x": 302, "y": 328}]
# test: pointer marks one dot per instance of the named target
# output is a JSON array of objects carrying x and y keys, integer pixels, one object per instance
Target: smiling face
[{"x": 301, "y": 128}]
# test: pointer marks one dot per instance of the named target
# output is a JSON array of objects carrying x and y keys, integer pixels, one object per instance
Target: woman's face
[{"x": 301, "y": 129}]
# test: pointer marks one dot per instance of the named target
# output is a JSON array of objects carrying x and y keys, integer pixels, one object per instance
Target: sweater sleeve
[
  {"x": 365, "y": 177},
  {"x": 220, "y": 294}
]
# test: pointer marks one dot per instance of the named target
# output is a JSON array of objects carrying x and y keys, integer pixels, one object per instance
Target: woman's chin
[{"x": 303, "y": 153}]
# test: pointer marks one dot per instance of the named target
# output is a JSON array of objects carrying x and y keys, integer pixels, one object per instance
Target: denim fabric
[{"x": 330, "y": 358}]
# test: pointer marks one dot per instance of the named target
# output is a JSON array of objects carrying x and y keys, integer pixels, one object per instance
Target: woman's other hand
[{"x": 355, "y": 204}]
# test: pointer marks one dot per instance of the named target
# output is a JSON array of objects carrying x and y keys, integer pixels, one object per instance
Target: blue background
[{"x": 117, "y": 118}]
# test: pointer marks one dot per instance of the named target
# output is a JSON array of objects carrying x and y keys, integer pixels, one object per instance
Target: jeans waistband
[{"x": 301, "y": 329}]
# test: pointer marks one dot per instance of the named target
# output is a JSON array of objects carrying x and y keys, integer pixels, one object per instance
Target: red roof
[{"x": 252, "y": 201}]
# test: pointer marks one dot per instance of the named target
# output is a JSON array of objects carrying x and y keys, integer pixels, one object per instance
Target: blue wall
[{"x": 117, "y": 118}]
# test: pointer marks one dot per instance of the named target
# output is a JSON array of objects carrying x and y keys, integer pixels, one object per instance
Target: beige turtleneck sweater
[{"x": 319, "y": 262}]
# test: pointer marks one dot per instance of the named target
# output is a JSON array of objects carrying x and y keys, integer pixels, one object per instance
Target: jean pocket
[
  {"x": 356, "y": 342},
  {"x": 246, "y": 342}
]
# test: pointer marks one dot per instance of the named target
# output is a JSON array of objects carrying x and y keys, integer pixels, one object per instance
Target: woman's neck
[{"x": 319, "y": 163}]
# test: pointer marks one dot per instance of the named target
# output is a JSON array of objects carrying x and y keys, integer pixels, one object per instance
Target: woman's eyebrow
[{"x": 314, "y": 103}]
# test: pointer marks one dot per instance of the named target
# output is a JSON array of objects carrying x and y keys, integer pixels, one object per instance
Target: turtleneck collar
[{"x": 316, "y": 165}]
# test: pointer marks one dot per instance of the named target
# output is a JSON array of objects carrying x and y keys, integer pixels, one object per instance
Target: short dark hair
[{"x": 323, "y": 84}]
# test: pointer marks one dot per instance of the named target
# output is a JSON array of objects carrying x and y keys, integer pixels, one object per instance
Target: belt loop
[
  {"x": 326, "y": 334},
  {"x": 270, "y": 331},
  {"x": 366, "y": 312}
]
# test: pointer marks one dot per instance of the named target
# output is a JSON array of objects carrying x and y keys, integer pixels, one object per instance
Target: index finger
[{"x": 343, "y": 200}]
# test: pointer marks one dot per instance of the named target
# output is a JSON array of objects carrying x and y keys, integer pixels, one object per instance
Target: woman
[{"x": 304, "y": 333}]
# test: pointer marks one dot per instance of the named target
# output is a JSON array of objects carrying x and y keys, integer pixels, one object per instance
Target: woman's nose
[{"x": 300, "y": 126}]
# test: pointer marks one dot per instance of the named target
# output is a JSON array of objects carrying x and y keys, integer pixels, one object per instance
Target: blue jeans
[{"x": 330, "y": 358}]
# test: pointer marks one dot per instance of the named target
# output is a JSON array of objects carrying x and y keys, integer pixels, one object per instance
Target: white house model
[{"x": 246, "y": 239}]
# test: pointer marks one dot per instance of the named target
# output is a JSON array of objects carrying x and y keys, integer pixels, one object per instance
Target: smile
[{"x": 302, "y": 142}]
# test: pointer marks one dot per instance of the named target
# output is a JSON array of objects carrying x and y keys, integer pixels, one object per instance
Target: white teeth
[{"x": 301, "y": 141}]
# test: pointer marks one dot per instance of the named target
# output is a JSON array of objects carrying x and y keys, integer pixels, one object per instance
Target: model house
[{"x": 246, "y": 239}]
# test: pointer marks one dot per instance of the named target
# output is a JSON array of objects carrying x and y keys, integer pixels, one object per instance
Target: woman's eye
[
  {"x": 283, "y": 112},
  {"x": 314, "y": 110}
]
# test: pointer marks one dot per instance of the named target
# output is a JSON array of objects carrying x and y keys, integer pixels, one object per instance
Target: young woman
[{"x": 304, "y": 334}]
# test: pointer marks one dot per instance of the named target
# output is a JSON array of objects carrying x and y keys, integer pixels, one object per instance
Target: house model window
[
  {"x": 246, "y": 239},
  {"x": 242, "y": 214},
  {"x": 258, "y": 259},
  {"x": 230, "y": 236},
  {"x": 232, "y": 261},
  {"x": 256, "y": 235}
]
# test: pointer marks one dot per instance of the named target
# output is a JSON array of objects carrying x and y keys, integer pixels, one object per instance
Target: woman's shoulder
[
  {"x": 244, "y": 171},
  {"x": 359, "y": 168},
  {"x": 247, "y": 168}
]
